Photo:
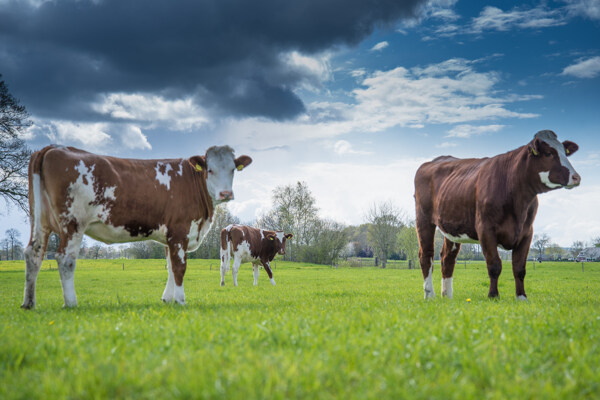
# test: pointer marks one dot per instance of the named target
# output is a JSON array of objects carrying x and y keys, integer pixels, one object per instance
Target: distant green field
[{"x": 321, "y": 333}]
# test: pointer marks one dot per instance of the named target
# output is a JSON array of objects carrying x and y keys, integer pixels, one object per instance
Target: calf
[
  {"x": 115, "y": 200},
  {"x": 491, "y": 201},
  {"x": 247, "y": 244}
]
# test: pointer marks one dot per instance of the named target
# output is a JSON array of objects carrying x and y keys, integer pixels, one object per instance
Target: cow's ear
[
  {"x": 570, "y": 147},
  {"x": 538, "y": 146},
  {"x": 198, "y": 163},
  {"x": 242, "y": 162},
  {"x": 289, "y": 236}
]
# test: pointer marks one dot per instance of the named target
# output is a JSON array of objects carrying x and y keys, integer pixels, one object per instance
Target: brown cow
[
  {"x": 114, "y": 200},
  {"x": 248, "y": 244},
  {"x": 492, "y": 201}
]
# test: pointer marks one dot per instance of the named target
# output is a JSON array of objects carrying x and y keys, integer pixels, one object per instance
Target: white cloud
[
  {"x": 493, "y": 18},
  {"x": 380, "y": 46},
  {"x": 445, "y": 145},
  {"x": 91, "y": 136},
  {"x": 585, "y": 8},
  {"x": 451, "y": 92},
  {"x": 342, "y": 147},
  {"x": 358, "y": 73},
  {"x": 466, "y": 131},
  {"x": 314, "y": 69},
  {"x": 589, "y": 68},
  {"x": 151, "y": 110},
  {"x": 133, "y": 138}
]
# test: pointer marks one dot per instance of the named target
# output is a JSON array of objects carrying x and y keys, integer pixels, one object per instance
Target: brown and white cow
[
  {"x": 114, "y": 200},
  {"x": 492, "y": 201},
  {"x": 248, "y": 244}
]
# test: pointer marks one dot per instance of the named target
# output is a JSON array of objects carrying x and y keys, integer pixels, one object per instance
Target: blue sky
[{"x": 348, "y": 98}]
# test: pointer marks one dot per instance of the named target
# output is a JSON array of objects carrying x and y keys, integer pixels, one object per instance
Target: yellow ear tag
[
  {"x": 535, "y": 153},
  {"x": 198, "y": 167},
  {"x": 240, "y": 167},
  {"x": 567, "y": 151},
  {"x": 271, "y": 238}
]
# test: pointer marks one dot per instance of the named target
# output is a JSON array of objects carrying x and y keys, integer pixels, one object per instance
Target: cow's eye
[{"x": 210, "y": 171}]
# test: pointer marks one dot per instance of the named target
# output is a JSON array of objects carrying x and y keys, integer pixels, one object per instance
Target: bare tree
[
  {"x": 540, "y": 242},
  {"x": 576, "y": 248},
  {"x": 13, "y": 235},
  {"x": 385, "y": 221},
  {"x": 408, "y": 242},
  {"x": 14, "y": 154},
  {"x": 596, "y": 241}
]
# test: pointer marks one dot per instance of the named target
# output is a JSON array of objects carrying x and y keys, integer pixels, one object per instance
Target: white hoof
[
  {"x": 272, "y": 281},
  {"x": 522, "y": 298}
]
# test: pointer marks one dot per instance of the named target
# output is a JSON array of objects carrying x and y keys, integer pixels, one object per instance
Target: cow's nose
[
  {"x": 226, "y": 195},
  {"x": 576, "y": 179}
]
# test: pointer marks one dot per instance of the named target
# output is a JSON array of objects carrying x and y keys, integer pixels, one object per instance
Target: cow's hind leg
[
  {"x": 225, "y": 261},
  {"x": 237, "y": 261},
  {"x": 66, "y": 257},
  {"x": 169, "y": 291},
  {"x": 449, "y": 253},
  {"x": 255, "y": 268},
  {"x": 34, "y": 254},
  {"x": 426, "y": 234}
]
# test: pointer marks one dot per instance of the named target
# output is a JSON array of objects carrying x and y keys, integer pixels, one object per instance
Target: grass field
[{"x": 321, "y": 333}]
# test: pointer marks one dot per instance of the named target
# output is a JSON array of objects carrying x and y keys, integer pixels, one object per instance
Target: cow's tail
[{"x": 36, "y": 186}]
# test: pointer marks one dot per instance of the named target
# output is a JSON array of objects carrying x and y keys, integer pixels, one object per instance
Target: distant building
[{"x": 589, "y": 254}]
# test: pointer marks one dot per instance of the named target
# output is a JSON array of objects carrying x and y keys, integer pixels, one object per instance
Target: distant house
[{"x": 589, "y": 254}]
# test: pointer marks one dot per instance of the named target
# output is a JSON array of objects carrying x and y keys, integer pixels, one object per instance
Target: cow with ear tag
[
  {"x": 248, "y": 244},
  {"x": 114, "y": 200},
  {"x": 491, "y": 201}
]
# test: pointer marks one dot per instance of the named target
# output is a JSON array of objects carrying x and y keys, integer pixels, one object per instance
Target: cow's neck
[
  {"x": 523, "y": 186},
  {"x": 201, "y": 196}
]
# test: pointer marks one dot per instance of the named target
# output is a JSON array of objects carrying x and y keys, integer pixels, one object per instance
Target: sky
[{"x": 348, "y": 96}]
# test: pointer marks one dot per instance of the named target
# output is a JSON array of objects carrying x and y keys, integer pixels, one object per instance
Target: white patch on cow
[
  {"x": 522, "y": 298},
  {"x": 37, "y": 203},
  {"x": 262, "y": 234},
  {"x": 181, "y": 254},
  {"x": 461, "y": 238},
  {"x": 545, "y": 178},
  {"x": 279, "y": 236},
  {"x": 81, "y": 193},
  {"x": 179, "y": 294},
  {"x": 220, "y": 161},
  {"x": 228, "y": 227},
  {"x": 198, "y": 230},
  {"x": 163, "y": 179},
  {"x": 550, "y": 138},
  {"x": 428, "y": 284},
  {"x": 180, "y": 168},
  {"x": 447, "y": 287},
  {"x": 272, "y": 281}
]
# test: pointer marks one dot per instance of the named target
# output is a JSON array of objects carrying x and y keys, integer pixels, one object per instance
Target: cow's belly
[
  {"x": 459, "y": 238},
  {"x": 110, "y": 234}
]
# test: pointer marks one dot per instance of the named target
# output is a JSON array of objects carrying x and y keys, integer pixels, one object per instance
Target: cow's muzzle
[
  {"x": 574, "y": 181},
  {"x": 226, "y": 195}
]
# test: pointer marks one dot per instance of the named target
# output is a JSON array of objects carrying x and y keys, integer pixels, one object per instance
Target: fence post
[
  {"x": 582, "y": 266},
  {"x": 123, "y": 266},
  {"x": 465, "y": 264}
]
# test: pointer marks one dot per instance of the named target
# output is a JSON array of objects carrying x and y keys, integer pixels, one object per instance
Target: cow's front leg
[
  {"x": 267, "y": 266},
  {"x": 519, "y": 261},
  {"x": 169, "y": 292},
  {"x": 489, "y": 247},
  {"x": 178, "y": 258}
]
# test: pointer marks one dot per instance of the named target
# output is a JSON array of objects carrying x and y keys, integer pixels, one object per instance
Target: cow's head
[
  {"x": 551, "y": 165},
  {"x": 218, "y": 166},
  {"x": 279, "y": 238}
]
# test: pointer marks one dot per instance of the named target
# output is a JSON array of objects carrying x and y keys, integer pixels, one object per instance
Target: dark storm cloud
[{"x": 59, "y": 56}]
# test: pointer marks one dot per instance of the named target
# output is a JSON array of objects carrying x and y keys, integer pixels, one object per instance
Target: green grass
[{"x": 321, "y": 333}]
